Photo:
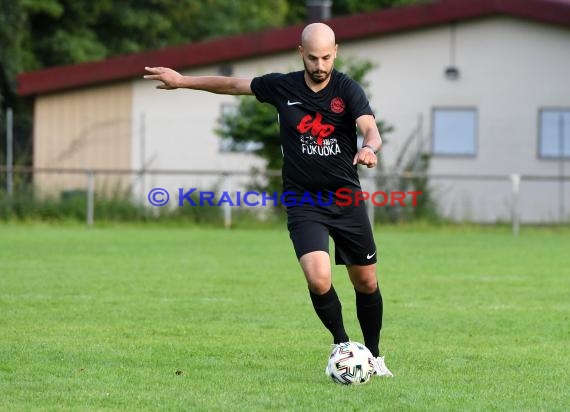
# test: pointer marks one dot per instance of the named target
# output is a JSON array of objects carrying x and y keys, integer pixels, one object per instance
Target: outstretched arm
[
  {"x": 372, "y": 141},
  {"x": 171, "y": 79}
]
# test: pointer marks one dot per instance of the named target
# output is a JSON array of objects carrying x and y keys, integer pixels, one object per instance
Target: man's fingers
[
  {"x": 359, "y": 158},
  {"x": 371, "y": 162},
  {"x": 154, "y": 69},
  {"x": 365, "y": 157}
]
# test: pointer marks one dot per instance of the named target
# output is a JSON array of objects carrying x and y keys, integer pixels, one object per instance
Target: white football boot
[{"x": 380, "y": 368}]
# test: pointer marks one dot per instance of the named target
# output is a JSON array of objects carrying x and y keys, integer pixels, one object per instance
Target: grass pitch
[{"x": 154, "y": 318}]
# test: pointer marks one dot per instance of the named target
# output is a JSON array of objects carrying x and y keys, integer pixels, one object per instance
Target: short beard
[{"x": 313, "y": 75}]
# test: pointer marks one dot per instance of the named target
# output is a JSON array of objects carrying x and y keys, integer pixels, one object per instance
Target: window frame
[
  {"x": 539, "y": 156},
  {"x": 475, "y": 132}
]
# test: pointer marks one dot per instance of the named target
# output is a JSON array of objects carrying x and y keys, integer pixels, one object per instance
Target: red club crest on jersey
[
  {"x": 316, "y": 127},
  {"x": 337, "y": 105}
]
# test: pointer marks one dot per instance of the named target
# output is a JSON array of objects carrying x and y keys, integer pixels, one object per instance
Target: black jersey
[{"x": 318, "y": 129}]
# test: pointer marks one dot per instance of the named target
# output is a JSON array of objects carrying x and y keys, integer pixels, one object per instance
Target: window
[
  {"x": 228, "y": 145},
  {"x": 454, "y": 132},
  {"x": 554, "y": 133}
]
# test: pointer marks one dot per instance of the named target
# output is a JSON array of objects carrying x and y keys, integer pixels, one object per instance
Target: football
[{"x": 350, "y": 363}]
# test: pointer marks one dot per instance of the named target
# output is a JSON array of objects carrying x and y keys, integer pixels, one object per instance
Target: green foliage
[
  {"x": 253, "y": 122},
  {"x": 40, "y": 33},
  {"x": 426, "y": 208},
  {"x": 231, "y": 17},
  {"x": 411, "y": 179},
  {"x": 341, "y": 7},
  {"x": 26, "y": 205},
  {"x": 408, "y": 174},
  {"x": 12, "y": 54},
  {"x": 297, "y": 8}
]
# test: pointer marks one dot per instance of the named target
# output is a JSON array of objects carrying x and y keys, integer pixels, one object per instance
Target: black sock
[
  {"x": 329, "y": 311},
  {"x": 369, "y": 308}
]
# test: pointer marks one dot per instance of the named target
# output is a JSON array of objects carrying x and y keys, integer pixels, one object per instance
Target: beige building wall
[{"x": 83, "y": 129}]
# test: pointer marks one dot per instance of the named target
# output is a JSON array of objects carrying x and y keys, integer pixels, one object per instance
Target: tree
[
  {"x": 341, "y": 7},
  {"x": 297, "y": 8}
]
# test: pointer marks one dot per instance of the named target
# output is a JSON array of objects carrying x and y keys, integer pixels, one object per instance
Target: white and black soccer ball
[{"x": 350, "y": 363}]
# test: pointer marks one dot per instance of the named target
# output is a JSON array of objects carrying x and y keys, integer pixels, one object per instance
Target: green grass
[{"x": 103, "y": 319}]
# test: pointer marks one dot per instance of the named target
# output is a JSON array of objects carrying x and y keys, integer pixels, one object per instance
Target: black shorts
[{"x": 310, "y": 226}]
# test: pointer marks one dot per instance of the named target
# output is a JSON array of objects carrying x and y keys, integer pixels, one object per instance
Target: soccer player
[{"x": 319, "y": 109}]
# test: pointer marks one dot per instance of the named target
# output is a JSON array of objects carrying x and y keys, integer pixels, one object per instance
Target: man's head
[{"x": 318, "y": 51}]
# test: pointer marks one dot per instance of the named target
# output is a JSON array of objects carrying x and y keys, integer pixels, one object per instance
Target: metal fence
[{"x": 509, "y": 189}]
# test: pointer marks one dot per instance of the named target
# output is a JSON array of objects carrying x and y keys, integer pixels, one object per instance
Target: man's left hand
[{"x": 365, "y": 156}]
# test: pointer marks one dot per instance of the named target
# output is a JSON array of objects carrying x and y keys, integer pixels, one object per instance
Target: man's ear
[
  {"x": 300, "y": 48},
  {"x": 335, "y": 50}
]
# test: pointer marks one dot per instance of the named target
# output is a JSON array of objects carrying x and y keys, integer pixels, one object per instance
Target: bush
[{"x": 25, "y": 204}]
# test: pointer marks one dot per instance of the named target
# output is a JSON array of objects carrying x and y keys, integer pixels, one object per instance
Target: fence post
[
  {"x": 227, "y": 184},
  {"x": 90, "y": 197},
  {"x": 142, "y": 167},
  {"x": 9, "y": 151},
  {"x": 515, "y": 180},
  {"x": 561, "y": 195}
]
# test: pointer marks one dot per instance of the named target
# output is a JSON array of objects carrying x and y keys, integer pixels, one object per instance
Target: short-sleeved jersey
[{"x": 318, "y": 129}]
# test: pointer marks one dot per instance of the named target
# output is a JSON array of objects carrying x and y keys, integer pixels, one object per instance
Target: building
[{"x": 482, "y": 85}]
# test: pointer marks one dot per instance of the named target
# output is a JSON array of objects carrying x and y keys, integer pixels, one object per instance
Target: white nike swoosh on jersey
[
  {"x": 370, "y": 256},
  {"x": 290, "y": 103}
]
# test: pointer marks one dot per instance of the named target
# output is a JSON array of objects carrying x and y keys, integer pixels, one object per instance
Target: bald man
[{"x": 318, "y": 109}]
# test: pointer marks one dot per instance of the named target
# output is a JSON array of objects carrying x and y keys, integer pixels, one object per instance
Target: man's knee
[
  {"x": 319, "y": 281},
  {"x": 317, "y": 270},
  {"x": 319, "y": 284},
  {"x": 364, "y": 278},
  {"x": 366, "y": 285}
]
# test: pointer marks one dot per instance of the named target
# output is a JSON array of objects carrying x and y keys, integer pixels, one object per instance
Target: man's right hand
[{"x": 170, "y": 79}]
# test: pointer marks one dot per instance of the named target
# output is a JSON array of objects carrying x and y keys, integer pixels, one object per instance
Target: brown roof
[{"x": 278, "y": 40}]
